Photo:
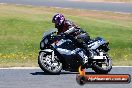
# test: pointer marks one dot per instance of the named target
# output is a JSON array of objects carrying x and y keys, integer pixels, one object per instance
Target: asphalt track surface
[
  {"x": 36, "y": 78},
  {"x": 103, "y": 6}
]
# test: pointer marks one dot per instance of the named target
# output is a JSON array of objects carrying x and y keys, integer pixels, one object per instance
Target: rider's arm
[{"x": 70, "y": 31}]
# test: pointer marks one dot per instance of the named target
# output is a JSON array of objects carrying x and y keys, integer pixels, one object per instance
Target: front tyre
[{"x": 48, "y": 65}]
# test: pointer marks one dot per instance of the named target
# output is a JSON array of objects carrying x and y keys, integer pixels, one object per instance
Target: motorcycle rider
[{"x": 69, "y": 28}]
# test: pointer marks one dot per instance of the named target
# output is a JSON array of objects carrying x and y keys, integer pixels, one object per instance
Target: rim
[
  {"x": 48, "y": 64},
  {"x": 106, "y": 64}
]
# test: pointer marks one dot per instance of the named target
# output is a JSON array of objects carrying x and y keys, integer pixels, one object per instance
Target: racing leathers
[{"x": 79, "y": 36}]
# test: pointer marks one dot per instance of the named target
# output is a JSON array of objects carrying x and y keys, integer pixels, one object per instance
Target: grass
[{"x": 22, "y": 27}]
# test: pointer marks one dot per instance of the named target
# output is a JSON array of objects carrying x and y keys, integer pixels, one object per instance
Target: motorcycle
[{"x": 59, "y": 52}]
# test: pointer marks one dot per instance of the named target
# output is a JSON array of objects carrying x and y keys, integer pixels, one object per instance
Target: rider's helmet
[{"x": 58, "y": 19}]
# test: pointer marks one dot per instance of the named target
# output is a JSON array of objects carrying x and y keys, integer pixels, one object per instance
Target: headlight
[
  {"x": 46, "y": 41},
  {"x": 42, "y": 44}
]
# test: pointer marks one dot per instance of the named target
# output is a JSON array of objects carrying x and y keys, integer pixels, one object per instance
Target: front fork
[{"x": 49, "y": 51}]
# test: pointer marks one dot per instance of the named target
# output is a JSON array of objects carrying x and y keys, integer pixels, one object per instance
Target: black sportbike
[{"x": 59, "y": 52}]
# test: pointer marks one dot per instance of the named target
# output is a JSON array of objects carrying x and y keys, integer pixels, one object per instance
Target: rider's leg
[
  {"x": 80, "y": 43},
  {"x": 89, "y": 51}
]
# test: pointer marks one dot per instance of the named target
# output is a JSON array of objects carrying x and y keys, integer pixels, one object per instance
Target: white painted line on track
[
  {"x": 39, "y": 67},
  {"x": 21, "y": 68},
  {"x": 121, "y": 66}
]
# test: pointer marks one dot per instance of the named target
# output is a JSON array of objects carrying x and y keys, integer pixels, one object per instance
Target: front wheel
[
  {"x": 104, "y": 67},
  {"x": 48, "y": 65}
]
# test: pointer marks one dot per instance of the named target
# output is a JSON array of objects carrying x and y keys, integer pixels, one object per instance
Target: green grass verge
[{"x": 22, "y": 27}]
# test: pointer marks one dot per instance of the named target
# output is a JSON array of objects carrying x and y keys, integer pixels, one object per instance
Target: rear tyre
[{"x": 99, "y": 69}]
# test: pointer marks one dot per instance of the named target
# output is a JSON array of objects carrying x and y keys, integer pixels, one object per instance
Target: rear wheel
[
  {"x": 48, "y": 65},
  {"x": 103, "y": 67}
]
